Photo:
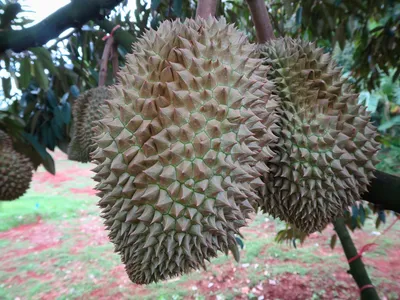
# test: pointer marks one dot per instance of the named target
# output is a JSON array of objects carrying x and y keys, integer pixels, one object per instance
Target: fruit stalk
[
  {"x": 259, "y": 13},
  {"x": 357, "y": 268},
  {"x": 205, "y": 8},
  {"x": 104, "y": 61}
]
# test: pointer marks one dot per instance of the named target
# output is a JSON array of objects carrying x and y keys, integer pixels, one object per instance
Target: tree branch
[
  {"x": 205, "y": 8},
  {"x": 384, "y": 191},
  {"x": 357, "y": 268},
  {"x": 74, "y": 14},
  {"x": 259, "y": 14}
]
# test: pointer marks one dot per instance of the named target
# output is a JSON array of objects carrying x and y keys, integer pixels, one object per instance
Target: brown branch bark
[
  {"x": 205, "y": 8},
  {"x": 259, "y": 14},
  {"x": 384, "y": 191},
  {"x": 74, "y": 14}
]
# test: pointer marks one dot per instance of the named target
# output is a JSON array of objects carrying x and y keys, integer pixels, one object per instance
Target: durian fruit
[
  {"x": 5, "y": 140},
  {"x": 86, "y": 111},
  {"x": 15, "y": 174},
  {"x": 326, "y": 150},
  {"x": 181, "y": 149}
]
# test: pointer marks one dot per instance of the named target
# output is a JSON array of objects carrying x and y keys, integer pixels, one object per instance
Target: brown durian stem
[
  {"x": 123, "y": 38},
  {"x": 259, "y": 13},
  {"x": 384, "y": 191},
  {"x": 115, "y": 63},
  {"x": 104, "y": 60},
  {"x": 205, "y": 8},
  {"x": 357, "y": 268}
]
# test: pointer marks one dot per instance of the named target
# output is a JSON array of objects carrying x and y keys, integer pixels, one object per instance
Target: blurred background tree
[{"x": 44, "y": 67}]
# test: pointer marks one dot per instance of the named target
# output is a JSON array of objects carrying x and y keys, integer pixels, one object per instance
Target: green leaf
[
  {"x": 51, "y": 139},
  {"x": 40, "y": 76},
  {"x": 25, "y": 72},
  {"x": 288, "y": 7},
  {"x": 66, "y": 113},
  {"x": 382, "y": 216},
  {"x": 177, "y": 7},
  {"x": 240, "y": 242},
  {"x": 58, "y": 117},
  {"x": 34, "y": 121},
  {"x": 44, "y": 56},
  {"x": 47, "y": 160},
  {"x": 299, "y": 15},
  {"x": 155, "y": 4},
  {"x": 56, "y": 129},
  {"x": 333, "y": 241},
  {"x": 6, "y": 82},
  {"x": 389, "y": 124},
  {"x": 52, "y": 99},
  {"x": 74, "y": 90},
  {"x": 362, "y": 214},
  {"x": 354, "y": 211}
]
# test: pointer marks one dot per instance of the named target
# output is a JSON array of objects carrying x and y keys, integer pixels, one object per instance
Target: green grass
[
  {"x": 253, "y": 249},
  {"x": 289, "y": 268},
  {"x": 301, "y": 254},
  {"x": 48, "y": 207}
]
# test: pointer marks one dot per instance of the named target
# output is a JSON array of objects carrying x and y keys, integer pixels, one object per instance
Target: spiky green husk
[
  {"x": 326, "y": 149},
  {"x": 5, "y": 140},
  {"x": 15, "y": 174},
  {"x": 181, "y": 150},
  {"x": 86, "y": 111}
]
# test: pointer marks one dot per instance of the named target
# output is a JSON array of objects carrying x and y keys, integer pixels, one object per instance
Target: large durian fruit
[
  {"x": 181, "y": 149},
  {"x": 326, "y": 150},
  {"x": 15, "y": 170},
  {"x": 86, "y": 111}
]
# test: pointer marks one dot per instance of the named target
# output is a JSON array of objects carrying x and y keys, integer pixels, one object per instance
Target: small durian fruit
[
  {"x": 327, "y": 150},
  {"x": 15, "y": 174},
  {"x": 182, "y": 148},
  {"x": 87, "y": 109},
  {"x": 5, "y": 140}
]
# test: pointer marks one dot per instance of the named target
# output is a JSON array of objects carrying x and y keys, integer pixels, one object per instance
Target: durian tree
[{"x": 202, "y": 126}]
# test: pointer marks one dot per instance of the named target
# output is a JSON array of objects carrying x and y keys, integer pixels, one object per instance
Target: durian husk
[
  {"x": 181, "y": 149},
  {"x": 327, "y": 152},
  {"x": 15, "y": 174},
  {"x": 5, "y": 140},
  {"x": 86, "y": 111}
]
